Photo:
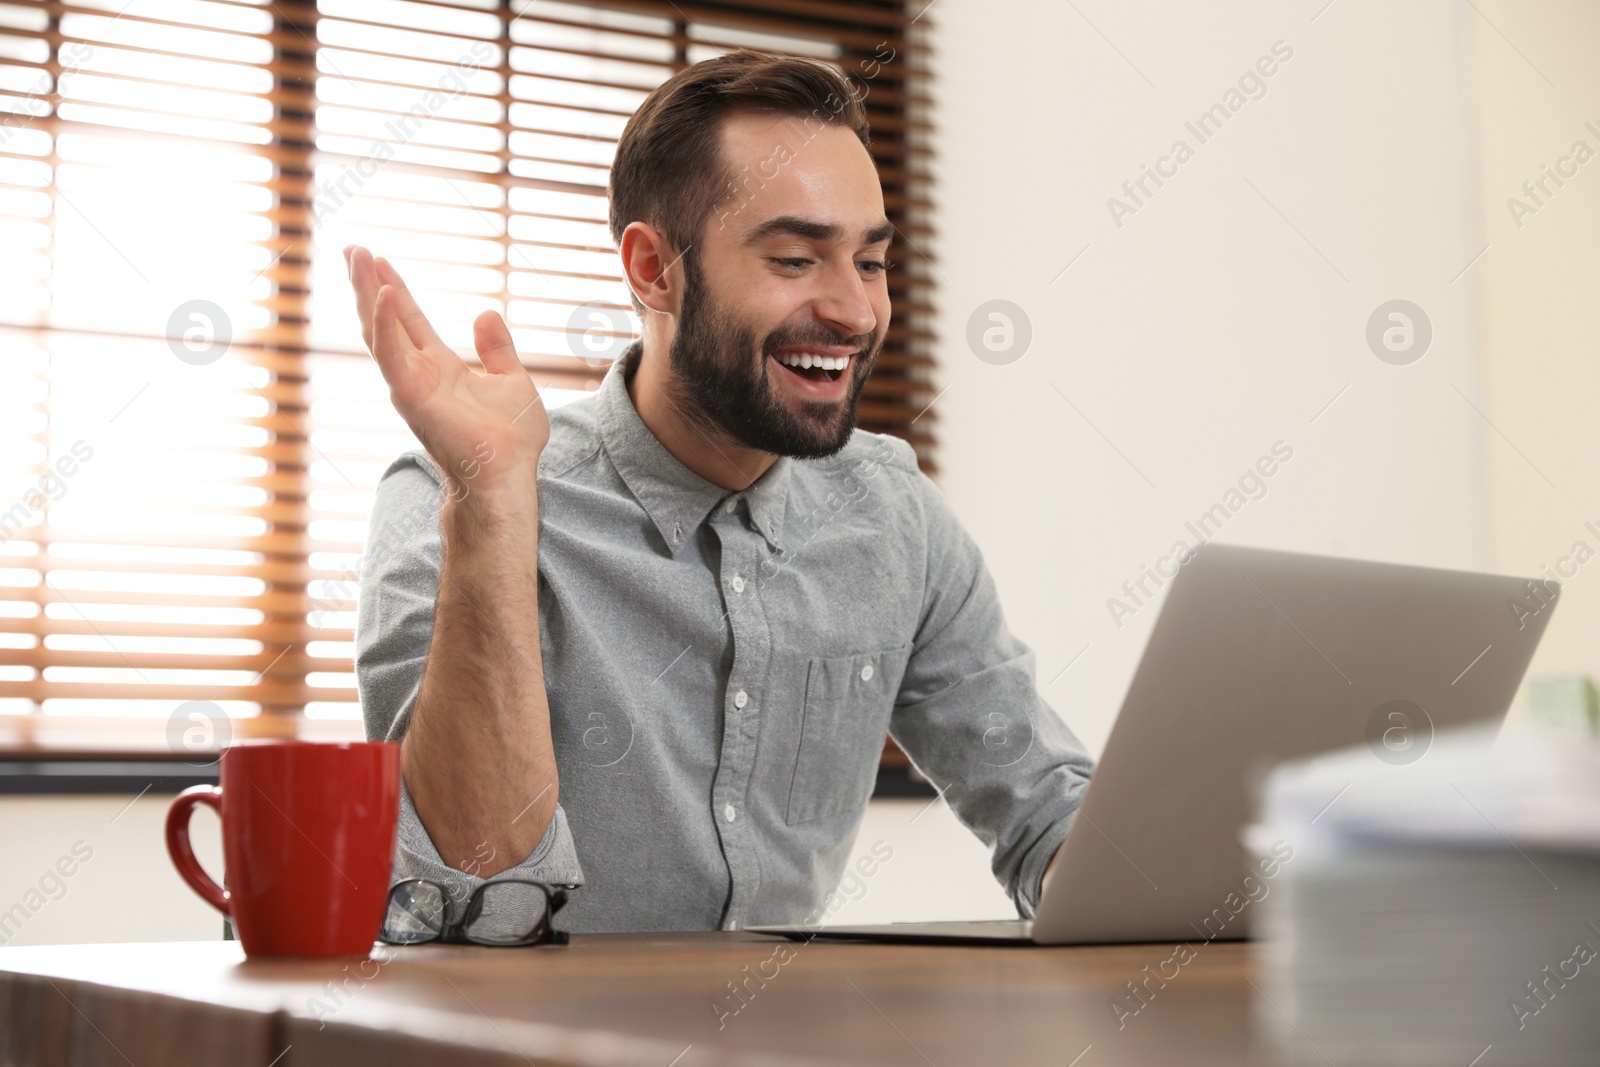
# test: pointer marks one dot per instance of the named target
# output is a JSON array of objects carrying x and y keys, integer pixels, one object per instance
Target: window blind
[{"x": 191, "y": 428}]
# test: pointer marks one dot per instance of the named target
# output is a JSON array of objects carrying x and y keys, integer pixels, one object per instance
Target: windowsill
[
  {"x": 80, "y": 766},
  {"x": 70, "y": 755},
  {"x": 36, "y": 737},
  {"x": 88, "y": 773},
  {"x": 38, "y": 775},
  {"x": 901, "y": 782}
]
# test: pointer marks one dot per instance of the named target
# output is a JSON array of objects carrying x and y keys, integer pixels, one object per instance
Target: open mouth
[{"x": 813, "y": 366}]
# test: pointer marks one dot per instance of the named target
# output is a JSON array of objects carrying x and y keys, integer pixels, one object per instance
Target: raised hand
[
  {"x": 478, "y": 743},
  {"x": 484, "y": 429}
]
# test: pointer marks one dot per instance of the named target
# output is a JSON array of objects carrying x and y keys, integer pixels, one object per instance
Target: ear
[{"x": 648, "y": 259}]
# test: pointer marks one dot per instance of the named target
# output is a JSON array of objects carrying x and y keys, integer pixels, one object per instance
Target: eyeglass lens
[
  {"x": 415, "y": 915},
  {"x": 505, "y": 913}
]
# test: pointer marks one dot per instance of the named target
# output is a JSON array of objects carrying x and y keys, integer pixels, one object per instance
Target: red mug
[{"x": 308, "y": 837}]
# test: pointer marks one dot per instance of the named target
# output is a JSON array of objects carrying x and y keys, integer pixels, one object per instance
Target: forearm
[
  {"x": 478, "y": 757},
  {"x": 1050, "y": 871}
]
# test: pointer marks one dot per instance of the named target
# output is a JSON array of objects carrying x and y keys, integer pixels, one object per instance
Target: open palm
[{"x": 481, "y": 428}]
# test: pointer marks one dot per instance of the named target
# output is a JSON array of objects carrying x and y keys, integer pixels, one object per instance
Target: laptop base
[{"x": 987, "y": 932}]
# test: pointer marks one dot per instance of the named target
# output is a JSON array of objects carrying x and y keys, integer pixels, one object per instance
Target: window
[{"x": 190, "y": 429}]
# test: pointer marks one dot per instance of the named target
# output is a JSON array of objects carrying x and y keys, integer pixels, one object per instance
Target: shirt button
[
  {"x": 866, "y": 673},
  {"x": 738, "y": 584},
  {"x": 729, "y": 814},
  {"x": 727, "y": 509},
  {"x": 741, "y": 698}
]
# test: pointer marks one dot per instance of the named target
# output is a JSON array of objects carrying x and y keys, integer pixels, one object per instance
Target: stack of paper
[{"x": 1445, "y": 911}]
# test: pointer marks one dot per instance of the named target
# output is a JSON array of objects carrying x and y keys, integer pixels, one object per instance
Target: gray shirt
[{"x": 722, "y": 668}]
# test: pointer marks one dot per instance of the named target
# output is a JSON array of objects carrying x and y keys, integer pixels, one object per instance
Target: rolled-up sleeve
[
  {"x": 970, "y": 716},
  {"x": 394, "y": 626}
]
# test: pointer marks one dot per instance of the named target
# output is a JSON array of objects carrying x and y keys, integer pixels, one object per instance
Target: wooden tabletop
[{"x": 660, "y": 1000}]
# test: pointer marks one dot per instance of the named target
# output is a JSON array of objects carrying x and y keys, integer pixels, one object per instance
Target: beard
[{"x": 720, "y": 376}]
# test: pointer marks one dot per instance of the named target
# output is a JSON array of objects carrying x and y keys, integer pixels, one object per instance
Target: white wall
[
  {"x": 1220, "y": 317},
  {"x": 127, "y": 889},
  {"x": 1538, "y": 93}
]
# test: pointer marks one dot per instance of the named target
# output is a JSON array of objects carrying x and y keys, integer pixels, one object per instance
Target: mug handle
[{"x": 183, "y": 854}]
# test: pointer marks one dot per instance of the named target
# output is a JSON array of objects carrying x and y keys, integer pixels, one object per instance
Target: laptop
[{"x": 1257, "y": 657}]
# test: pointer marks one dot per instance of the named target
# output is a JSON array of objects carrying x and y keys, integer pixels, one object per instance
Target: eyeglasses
[{"x": 505, "y": 914}]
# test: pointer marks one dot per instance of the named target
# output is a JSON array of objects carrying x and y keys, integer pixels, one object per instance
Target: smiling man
[{"x": 652, "y": 644}]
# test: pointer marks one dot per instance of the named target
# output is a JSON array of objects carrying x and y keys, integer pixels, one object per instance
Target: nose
[{"x": 844, "y": 304}]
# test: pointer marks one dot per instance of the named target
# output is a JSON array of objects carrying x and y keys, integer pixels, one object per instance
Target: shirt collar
[
  {"x": 676, "y": 498},
  {"x": 768, "y": 501}
]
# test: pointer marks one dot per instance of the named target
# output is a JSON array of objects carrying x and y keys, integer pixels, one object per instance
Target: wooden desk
[{"x": 641, "y": 1000}]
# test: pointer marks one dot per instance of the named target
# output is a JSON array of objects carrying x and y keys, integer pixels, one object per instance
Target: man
[{"x": 691, "y": 605}]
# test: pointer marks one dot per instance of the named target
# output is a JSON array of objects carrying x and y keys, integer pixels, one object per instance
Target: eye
[
  {"x": 794, "y": 264},
  {"x": 873, "y": 267}
]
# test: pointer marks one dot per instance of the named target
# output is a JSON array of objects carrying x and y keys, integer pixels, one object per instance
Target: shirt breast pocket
[{"x": 845, "y": 719}]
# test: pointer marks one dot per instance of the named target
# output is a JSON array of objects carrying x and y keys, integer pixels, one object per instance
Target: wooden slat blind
[{"x": 183, "y": 519}]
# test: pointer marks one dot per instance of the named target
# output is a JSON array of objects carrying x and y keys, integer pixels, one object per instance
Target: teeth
[{"x": 804, "y": 360}]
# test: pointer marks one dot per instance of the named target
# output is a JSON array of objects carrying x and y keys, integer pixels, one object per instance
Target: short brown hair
[{"x": 669, "y": 171}]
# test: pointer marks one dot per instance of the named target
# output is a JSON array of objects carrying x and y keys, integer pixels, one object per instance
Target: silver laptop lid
[{"x": 1260, "y": 656}]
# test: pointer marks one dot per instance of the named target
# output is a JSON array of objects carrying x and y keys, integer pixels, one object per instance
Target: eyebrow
[{"x": 794, "y": 225}]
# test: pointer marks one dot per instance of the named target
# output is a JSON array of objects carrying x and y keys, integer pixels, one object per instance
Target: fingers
[
  {"x": 376, "y": 304},
  {"x": 389, "y": 344},
  {"x": 393, "y": 325},
  {"x": 411, "y": 316},
  {"x": 495, "y": 348},
  {"x": 364, "y": 280}
]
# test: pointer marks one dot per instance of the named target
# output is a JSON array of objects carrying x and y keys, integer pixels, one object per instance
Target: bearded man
[{"x": 651, "y": 644}]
